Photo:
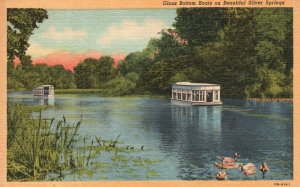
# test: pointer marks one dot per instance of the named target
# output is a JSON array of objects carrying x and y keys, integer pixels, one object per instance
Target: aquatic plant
[
  {"x": 35, "y": 146},
  {"x": 47, "y": 149}
]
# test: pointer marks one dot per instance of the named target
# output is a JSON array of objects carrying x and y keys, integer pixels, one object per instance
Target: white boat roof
[
  {"x": 42, "y": 86},
  {"x": 194, "y": 84},
  {"x": 46, "y": 85}
]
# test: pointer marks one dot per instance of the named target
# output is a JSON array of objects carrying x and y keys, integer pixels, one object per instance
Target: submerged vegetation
[{"x": 49, "y": 149}]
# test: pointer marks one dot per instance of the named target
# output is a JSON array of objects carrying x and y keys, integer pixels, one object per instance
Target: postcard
[{"x": 136, "y": 93}]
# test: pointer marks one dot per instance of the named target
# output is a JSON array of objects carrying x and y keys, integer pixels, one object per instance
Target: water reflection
[
  {"x": 206, "y": 118},
  {"x": 199, "y": 130},
  {"x": 43, "y": 100},
  {"x": 26, "y": 98}
]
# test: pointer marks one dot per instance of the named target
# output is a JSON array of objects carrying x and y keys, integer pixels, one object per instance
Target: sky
[{"x": 69, "y": 36}]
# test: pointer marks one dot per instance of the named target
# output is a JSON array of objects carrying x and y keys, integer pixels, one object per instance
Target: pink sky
[{"x": 70, "y": 60}]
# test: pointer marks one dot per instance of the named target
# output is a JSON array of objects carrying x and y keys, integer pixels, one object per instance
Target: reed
[
  {"x": 39, "y": 149},
  {"x": 89, "y": 157},
  {"x": 35, "y": 146}
]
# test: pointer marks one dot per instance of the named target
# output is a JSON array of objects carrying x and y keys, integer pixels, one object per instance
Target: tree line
[{"x": 248, "y": 51}]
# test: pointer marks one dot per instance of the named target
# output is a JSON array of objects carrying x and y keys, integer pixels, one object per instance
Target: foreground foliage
[
  {"x": 36, "y": 147},
  {"x": 47, "y": 149}
]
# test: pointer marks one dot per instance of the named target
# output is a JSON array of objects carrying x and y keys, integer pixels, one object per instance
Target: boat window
[
  {"x": 193, "y": 95},
  {"x": 217, "y": 95},
  {"x": 197, "y": 96},
  {"x": 201, "y": 95},
  {"x": 188, "y": 97},
  {"x": 209, "y": 96}
]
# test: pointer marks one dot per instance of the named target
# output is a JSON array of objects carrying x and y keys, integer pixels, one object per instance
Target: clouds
[
  {"x": 53, "y": 40},
  {"x": 107, "y": 31},
  {"x": 131, "y": 30},
  {"x": 36, "y": 50},
  {"x": 64, "y": 34},
  {"x": 69, "y": 36}
]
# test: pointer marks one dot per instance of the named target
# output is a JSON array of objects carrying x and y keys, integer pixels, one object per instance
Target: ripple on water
[{"x": 186, "y": 140}]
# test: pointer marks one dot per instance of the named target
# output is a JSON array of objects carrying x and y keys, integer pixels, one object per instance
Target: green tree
[
  {"x": 35, "y": 75},
  {"x": 86, "y": 74},
  {"x": 136, "y": 62},
  {"x": 20, "y": 25},
  {"x": 249, "y": 51},
  {"x": 61, "y": 78},
  {"x": 200, "y": 25},
  {"x": 95, "y": 73},
  {"x": 133, "y": 77},
  {"x": 105, "y": 70},
  {"x": 179, "y": 77},
  {"x": 238, "y": 50},
  {"x": 169, "y": 48},
  {"x": 120, "y": 86}
]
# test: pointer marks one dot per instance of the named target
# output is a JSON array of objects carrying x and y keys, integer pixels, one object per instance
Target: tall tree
[
  {"x": 239, "y": 55},
  {"x": 200, "y": 25},
  {"x": 105, "y": 69},
  {"x": 136, "y": 62},
  {"x": 94, "y": 73},
  {"x": 20, "y": 25},
  {"x": 86, "y": 74}
]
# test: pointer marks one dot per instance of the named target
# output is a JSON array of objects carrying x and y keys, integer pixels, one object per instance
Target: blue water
[{"x": 185, "y": 139}]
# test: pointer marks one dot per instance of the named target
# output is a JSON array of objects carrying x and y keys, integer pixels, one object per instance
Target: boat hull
[
  {"x": 189, "y": 103},
  {"x": 43, "y": 96}
]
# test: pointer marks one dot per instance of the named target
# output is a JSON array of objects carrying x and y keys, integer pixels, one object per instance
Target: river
[{"x": 184, "y": 141}]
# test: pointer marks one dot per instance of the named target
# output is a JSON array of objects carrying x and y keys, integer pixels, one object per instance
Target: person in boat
[{"x": 264, "y": 168}]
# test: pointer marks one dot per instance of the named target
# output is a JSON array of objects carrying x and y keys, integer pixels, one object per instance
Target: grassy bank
[
  {"x": 103, "y": 92},
  {"x": 288, "y": 100},
  {"x": 147, "y": 94},
  {"x": 79, "y": 91}
]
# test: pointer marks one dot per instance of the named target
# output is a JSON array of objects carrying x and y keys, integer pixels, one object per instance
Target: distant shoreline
[
  {"x": 287, "y": 100},
  {"x": 148, "y": 94}
]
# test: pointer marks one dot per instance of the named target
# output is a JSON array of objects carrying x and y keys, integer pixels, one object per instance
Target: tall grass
[
  {"x": 36, "y": 147},
  {"x": 49, "y": 149}
]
